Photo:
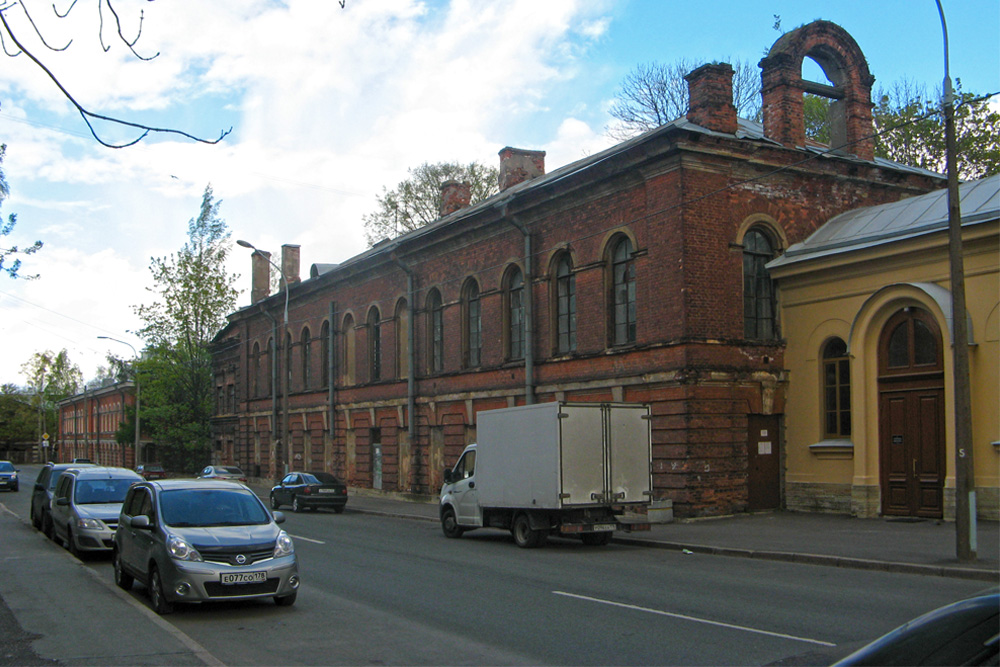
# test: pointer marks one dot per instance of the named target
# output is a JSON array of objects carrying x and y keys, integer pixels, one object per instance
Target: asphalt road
[{"x": 381, "y": 590}]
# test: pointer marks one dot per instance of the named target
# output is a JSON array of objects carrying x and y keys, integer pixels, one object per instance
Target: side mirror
[
  {"x": 449, "y": 476},
  {"x": 140, "y": 521},
  {"x": 279, "y": 517},
  {"x": 62, "y": 502}
]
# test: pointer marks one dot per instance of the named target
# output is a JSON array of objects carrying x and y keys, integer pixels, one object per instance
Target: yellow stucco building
[{"x": 866, "y": 311}]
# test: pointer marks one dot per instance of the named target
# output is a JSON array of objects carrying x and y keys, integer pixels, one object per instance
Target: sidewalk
[{"x": 914, "y": 547}]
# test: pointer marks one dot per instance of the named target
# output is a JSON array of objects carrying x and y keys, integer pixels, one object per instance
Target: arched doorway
[{"x": 911, "y": 415}]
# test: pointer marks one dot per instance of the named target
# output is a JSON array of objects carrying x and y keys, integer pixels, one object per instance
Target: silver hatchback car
[
  {"x": 203, "y": 540},
  {"x": 85, "y": 506}
]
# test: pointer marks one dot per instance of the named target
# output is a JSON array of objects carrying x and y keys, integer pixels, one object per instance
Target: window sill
[{"x": 833, "y": 449}]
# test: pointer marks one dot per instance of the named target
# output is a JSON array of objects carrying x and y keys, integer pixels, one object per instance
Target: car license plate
[
  {"x": 243, "y": 577},
  {"x": 603, "y": 527},
  {"x": 328, "y": 491}
]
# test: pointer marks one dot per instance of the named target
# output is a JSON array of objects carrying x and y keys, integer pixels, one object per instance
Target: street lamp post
[
  {"x": 287, "y": 453},
  {"x": 138, "y": 442}
]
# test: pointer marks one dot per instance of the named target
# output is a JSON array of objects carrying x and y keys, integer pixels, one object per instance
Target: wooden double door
[{"x": 911, "y": 416}]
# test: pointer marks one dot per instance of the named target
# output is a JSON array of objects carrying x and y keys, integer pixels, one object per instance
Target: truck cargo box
[{"x": 563, "y": 455}]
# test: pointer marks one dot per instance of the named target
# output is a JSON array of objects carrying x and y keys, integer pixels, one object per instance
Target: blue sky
[{"x": 329, "y": 105}]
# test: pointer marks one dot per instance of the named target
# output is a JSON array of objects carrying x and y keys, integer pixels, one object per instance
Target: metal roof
[{"x": 907, "y": 218}]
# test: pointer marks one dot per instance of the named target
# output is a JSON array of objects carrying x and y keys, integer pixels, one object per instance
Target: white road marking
[
  {"x": 693, "y": 618},
  {"x": 306, "y": 539}
]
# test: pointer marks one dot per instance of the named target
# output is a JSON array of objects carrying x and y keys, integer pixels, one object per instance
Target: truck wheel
[
  {"x": 596, "y": 539},
  {"x": 524, "y": 536},
  {"x": 449, "y": 524}
]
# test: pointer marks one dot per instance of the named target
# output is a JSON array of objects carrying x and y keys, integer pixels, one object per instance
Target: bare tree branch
[
  {"x": 85, "y": 113},
  {"x": 138, "y": 34},
  {"x": 39, "y": 32}
]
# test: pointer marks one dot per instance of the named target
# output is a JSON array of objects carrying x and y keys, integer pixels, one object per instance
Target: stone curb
[{"x": 819, "y": 559}]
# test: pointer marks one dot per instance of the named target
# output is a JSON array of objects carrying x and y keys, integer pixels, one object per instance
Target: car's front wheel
[
  {"x": 275, "y": 505},
  {"x": 123, "y": 579},
  {"x": 449, "y": 524},
  {"x": 159, "y": 600}
]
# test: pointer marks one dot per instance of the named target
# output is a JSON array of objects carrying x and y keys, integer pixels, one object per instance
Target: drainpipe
[
  {"x": 529, "y": 323},
  {"x": 274, "y": 382},
  {"x": 331, "y": 375},
  {"x": 411, "y": 354}
]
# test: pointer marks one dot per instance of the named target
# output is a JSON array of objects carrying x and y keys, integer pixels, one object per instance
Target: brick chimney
[
  {"x": 454, "y": 196},
  {"x": 710, "y": 95},
  {"x": 260, "y": 285},
  {"x": 518, "y": 165},
  {"x": 290, "y": 263}
]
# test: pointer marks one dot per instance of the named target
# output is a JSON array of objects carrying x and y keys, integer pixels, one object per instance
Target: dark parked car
[
  {"x": 41, "y": 496},
  {"x": 962, "y": 633},
  {"x": 310, "y": 490},
  {"x": 8, "y": 476},
  {"x": 231, "y": 473},
  {"x": 151, "y": 471},
  {"x": 201, "y": 540}
]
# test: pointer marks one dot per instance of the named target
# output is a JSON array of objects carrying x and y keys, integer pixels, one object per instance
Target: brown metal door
[{"x": 763, "y": 463}]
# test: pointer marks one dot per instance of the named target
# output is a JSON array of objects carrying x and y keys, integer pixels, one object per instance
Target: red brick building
[
  {"x": 89, "y": 423},
  {"x": 636, "y": 274}
]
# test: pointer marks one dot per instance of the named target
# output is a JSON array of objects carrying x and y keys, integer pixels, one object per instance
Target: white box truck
[{"x": 565, "y": 468}]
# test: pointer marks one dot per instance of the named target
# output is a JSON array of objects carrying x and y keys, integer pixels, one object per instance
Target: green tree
[
  {"x": 18, "y": 417},
  {"x": 51, "y": 378},
  {"x": 416, "y": 201},
  {"x": 193, "y": 295},
  {"x": 910, "y": 127},
  {"x": 7, "y": 227},
  {"x": 656, "y": 93}
]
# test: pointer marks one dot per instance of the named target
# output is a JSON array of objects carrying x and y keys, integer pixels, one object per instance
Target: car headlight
[
  {"x": 181, "y": 550},
  {"x": 284, "y": 546},
  {"x": 89, "y": 524}
]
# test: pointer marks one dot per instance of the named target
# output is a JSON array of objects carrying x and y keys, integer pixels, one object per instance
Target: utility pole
[{"x": 965, "y": 486}]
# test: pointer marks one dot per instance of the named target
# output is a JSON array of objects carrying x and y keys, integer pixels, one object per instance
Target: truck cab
[{"x": 459, "y": 494}]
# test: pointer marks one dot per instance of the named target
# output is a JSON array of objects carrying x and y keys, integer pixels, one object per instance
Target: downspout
[
  {"x": 331, "y": 376},
  {"x": 411, "y": 354},
  {"x": 529, "y": 323},
  {"x": 274, "y": 383}
]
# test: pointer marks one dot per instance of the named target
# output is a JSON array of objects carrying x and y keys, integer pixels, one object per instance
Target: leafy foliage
[
  {"x": 416, "y": 201},
  {"x": 18, "y": 418},
  {"x": 51, "y": 378},
  {"x": 194, "y": 294},
  {"x": 7, "y": 227},
  {"x": 911, "y": 130},
  {"x": 656, "y": 93}
]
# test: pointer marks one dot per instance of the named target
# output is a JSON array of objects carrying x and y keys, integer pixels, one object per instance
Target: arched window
[
  {"x": 564, "y": 308},
  {"x": 514, "y": 300},
  {"x": 349, "y": 364},
  {"x": 472, "y": 328},
  {"x": 306, "y": 358},
  {"x": 324, "y": 353},
  {"x": 623, "y": 310},
  {"x": 435, "y": 331},
  {"x": 268, "y": 368},
  {"x": 255, "y": 373},
  {"x": 374, "y": 345},
  {"x": 836, "y": 389},
  {"x": 288, "y": 362},
  {"x": 912, "y": 344},
  {"x": 402, "y": 339},
  {"x": 759, "y": 309}
]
